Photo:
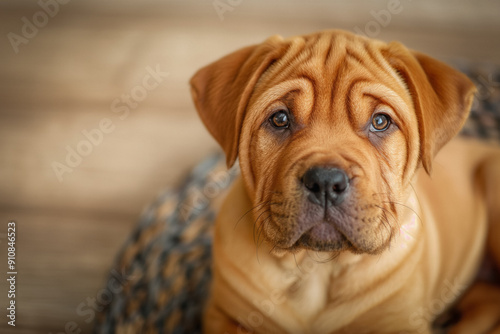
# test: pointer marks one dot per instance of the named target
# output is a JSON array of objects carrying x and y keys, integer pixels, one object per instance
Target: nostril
[
  {"x": 340, "y": 181},
  {"x": 312, "y": 180},
  {"x": 315, "y": 188},
  {"x": 312, "y": 186},
  {"x": 338, "y": 188}
]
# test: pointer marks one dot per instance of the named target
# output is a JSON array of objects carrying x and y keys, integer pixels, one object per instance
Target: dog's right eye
[{"x": 280, "y": 120}]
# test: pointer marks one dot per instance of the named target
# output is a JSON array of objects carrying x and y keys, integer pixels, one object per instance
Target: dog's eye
[
  {"x": 280, "y": 119},
  {"x": 380, "y": 122}
]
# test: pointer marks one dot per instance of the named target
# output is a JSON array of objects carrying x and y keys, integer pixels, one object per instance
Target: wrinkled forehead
[{"x": 333, "y": 65}]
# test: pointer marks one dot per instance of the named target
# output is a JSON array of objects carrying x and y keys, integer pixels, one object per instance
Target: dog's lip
[{"x": 322, "y": 236}]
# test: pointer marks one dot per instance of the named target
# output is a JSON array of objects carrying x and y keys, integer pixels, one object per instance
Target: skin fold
[{"x": 398, "y": 241}]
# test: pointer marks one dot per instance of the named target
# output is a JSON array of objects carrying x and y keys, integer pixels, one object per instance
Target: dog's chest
[
  {"x": 307, "y": 290},
  {"x": 305, "y": 294}
]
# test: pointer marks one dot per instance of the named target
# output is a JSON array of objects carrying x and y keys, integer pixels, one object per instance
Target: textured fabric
[{"x": 166, "y": 261}]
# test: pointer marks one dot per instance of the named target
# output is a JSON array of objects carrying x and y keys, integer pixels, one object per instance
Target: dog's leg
[
  {"x": 480, "y": 307},
  {"x": 480, "y": 310}
]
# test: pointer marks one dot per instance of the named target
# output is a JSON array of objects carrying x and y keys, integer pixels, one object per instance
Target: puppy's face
[
  {"x": 329, "y": 129},
  {"x": 328, "y": 148}
]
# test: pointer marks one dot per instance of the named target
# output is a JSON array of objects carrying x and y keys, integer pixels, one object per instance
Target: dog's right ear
[{"x": 221, "y": 91}]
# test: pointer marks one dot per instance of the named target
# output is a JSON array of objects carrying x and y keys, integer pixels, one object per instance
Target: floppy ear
[
  {"x": 221, "y": 91},
  {"x": 441, "y": 95}
]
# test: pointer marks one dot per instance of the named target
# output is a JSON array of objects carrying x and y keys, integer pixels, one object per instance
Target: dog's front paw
[{"x": 480, "y": 311}]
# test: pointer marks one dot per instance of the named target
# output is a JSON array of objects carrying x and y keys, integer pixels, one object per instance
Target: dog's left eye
[
  {"x": 280, "y": 119},
  {"x": 380, "y": 122}
]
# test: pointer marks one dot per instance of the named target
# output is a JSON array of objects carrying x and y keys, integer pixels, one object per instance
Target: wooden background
[{"x": 64, "y": 80}]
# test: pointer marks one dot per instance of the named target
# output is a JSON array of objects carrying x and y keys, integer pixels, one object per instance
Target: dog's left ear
[
  {"x": 441, "y": 95},
  {"x": 221, "y": 91}
]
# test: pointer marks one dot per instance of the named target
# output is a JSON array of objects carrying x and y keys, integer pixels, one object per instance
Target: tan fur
[{"x": 403, "y": 247}]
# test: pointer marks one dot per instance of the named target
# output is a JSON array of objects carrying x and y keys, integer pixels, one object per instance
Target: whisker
[
  {"x": 256, "y": 223},
  {"x": 297, "y": 264},
  {"x": 387, "y": 224},
  {"x": 333, "y": 256},
  {"x": 273, "y": 248},
  {"x": 418, "y": 200},
  {"x": 392, "y": 231},
  {"x": 258, "y": 206},
  {"x": 409, "y": 208},
  {"x": 260, "y": 230},
  {"x": 385, "y": 210}
]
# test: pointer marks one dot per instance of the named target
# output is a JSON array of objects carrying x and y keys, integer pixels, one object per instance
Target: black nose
[{"x": 326, "y": 186}]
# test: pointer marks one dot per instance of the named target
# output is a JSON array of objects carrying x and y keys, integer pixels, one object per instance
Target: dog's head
[{"x": 329, "y": 129}]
